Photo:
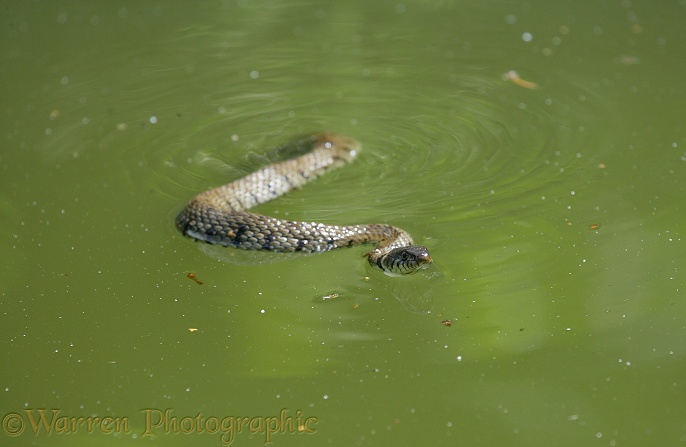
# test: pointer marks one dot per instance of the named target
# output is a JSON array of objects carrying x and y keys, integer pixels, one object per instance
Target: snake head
[{"x": 405, "y": 260}]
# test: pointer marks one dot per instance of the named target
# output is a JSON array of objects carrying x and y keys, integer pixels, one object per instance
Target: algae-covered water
[{"x": 538, "y": 148}]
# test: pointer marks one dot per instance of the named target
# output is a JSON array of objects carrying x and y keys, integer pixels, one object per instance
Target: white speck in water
[
  {"x": 64, "y": 80},
  {"x": 527, "y": 37},
  {"x": 262, "y": 311},
  {"x": 85, "y": 120},
  {"x": 254, "y": 74},
  {"x": 152, "y": 120},
  {"x": 459, "y": 358},
  {"x": 510, "y": 19}
]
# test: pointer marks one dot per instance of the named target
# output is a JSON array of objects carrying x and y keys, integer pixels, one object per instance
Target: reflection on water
[{"x": 415, "y": 291}]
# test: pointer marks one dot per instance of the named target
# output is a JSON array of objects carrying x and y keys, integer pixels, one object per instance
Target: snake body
[{"x": 221, "y": 216}]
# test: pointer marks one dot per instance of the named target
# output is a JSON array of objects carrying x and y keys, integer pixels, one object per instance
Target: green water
[{"x": 554, "y": 215}]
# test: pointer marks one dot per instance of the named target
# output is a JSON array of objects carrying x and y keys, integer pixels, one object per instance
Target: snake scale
[{"x": 220, "y": 215}]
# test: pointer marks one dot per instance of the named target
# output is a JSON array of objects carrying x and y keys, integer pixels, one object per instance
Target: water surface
[{"x": 552, "y": 204}]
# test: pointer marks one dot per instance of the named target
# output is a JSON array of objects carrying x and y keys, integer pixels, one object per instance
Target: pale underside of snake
[{"x": 220, "y": 215}]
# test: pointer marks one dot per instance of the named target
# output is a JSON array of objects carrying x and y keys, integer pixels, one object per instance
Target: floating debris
[
  {"x": 194, "y": 278},
  {"x": 513, "y": 77},
  {"x": 629, "y": 60}
]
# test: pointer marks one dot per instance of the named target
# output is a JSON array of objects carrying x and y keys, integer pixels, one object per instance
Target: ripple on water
[{"x": 487, "y": 150}]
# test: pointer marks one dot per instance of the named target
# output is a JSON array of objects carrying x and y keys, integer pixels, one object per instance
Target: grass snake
[{"x": 220, "y": 215}]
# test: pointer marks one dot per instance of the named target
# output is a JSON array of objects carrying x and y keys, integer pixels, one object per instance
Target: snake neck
[{"x": 386, "y": 237}]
